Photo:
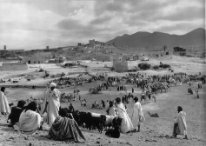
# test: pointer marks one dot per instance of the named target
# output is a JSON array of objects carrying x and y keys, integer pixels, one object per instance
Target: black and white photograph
[{"x": 102, "y": 73}]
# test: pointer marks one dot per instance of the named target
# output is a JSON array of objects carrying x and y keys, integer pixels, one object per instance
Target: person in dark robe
[
  {"x": 71, "y": 108},
  {"x": 16, "y": 112},
  {"x": 66, "y": 129},
  {"x": 132, "y": 90}
]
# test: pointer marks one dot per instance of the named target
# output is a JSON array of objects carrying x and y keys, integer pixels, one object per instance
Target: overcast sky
[{"x": 30, "y": 24}]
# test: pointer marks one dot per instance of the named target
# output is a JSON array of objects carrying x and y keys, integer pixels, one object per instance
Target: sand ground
[{"x": 154, "y": 131}]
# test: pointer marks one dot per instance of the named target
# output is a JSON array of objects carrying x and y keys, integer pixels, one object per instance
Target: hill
[{"x": 148, "y": 41}]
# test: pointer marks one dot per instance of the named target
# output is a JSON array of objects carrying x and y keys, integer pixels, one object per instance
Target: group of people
[
  {"x": 128, "y": 124},
  {"x": 133, "y": 124},
  {"x": 26, "y": 117}
]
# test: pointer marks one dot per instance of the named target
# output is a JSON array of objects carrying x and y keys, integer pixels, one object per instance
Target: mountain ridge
[{"x": 143, "y": 39}]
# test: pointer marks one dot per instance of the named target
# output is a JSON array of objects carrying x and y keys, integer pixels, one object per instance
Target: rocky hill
[{"x": 147, "y": 40}]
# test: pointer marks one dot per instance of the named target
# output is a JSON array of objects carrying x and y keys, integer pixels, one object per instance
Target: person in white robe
[
  {"x": 30, "y": 120},
  {"x": 180, "y": 125},
  {"x": 126, "y": 125},
  {"x": 137, "y": 114},
  {"x": 4, "y": 105},
  {"x": 51, "y": 104}
]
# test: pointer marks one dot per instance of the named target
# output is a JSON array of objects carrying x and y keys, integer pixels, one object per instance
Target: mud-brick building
[{"x": 120, "y": 64}]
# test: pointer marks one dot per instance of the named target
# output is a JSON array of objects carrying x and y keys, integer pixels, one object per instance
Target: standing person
[
  {"x": 4, "y": 105},
  {"x": 107, "y": 104},
  {"x": 197, "y": 93},
  {"x": 132, "y": 90},
  {"x": 180, "y": 125},
  {"x": 126, "y": 125},
  {"x": 52, "y": 103},
  {"x": 137, "y": 114},
  {"x": 71, "y": 108}
]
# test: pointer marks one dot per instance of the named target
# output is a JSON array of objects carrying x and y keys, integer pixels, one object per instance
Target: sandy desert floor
[{"x": 154, "y": 131}]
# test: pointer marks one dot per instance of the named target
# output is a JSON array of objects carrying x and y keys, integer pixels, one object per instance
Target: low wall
[{"x": 13, "y": 66}]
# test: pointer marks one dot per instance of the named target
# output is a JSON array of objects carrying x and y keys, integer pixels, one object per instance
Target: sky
[{"x": 35, "y": 24}]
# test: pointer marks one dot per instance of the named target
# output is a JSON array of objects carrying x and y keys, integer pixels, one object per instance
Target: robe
[
  {"x": 29, "y": 121},
  {"x": 15, "y": 114},
  {"x": 138, "y": 115},
  {"x": 65, "y": 128},
  {"x": 126, "y": 125},
  {"x": 112, "y": 111},
  {"x": 180, "y": 127},
  {"x": 4, "y": 105},
  {"x": 53, "y": 99}
]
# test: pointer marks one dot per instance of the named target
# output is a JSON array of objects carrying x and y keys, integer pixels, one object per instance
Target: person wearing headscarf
[
  {"x": 137, "y": 114},
  {"x": 51, "y": 103},
  {"x": 30, "y": 120},
  {"x": 126, "y": 125},
  {"x": 16, "y": 112},
  {"x": 64, "y": 128},
  {"x": 4, "y": 105},
  {"x": 180, "y": 125}
]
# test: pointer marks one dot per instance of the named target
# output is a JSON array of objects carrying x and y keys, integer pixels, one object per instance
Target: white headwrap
[{"x": 52, "y": 84}]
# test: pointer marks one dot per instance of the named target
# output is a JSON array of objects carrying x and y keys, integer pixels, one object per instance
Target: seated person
[
  {"x": 16, "y": 112},
  {"x": 65, "y": 128},
  {"x": 30, "y": 120}
]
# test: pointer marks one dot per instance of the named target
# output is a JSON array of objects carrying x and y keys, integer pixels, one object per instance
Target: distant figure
[
  {"x": 199, "y": 85},
  {"x": 154, "y": 97},
  {"x": 180, "y": 125},
  {"x": 189, "y": 90},
  {"x": 126, "y": 125},
  {"x": 107, "y": 104},
  {"x": 52, "y": 103},
  {"x": 137, "y": 114},
  {"x": 30, "y": 120},
  {"x": 132, "y": 90},
  {"x": 143, "y": 95},
  {"x": 4, "y": 105},
  {"x": 197, "y": 93},
  {"x": 71, "y": 108},
  {"x": 84, "y": 102},
  {"x": 103, "y": 103},
  {"x": 16, "y": 112}
]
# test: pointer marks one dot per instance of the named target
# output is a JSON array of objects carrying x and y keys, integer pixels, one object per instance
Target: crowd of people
[{"x": 27, "y": 117}]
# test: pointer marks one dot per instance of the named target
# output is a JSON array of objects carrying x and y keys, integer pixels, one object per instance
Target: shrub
[
  {"x": 144, "y": 66},
  {"x": 164, "y": 66},
  {"x": 156, "y": 67}
]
